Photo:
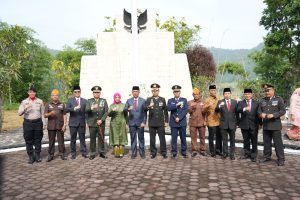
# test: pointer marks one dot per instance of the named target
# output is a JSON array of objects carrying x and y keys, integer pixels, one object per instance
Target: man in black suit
[
  {"x": 227, "y": 108},
  {"x": 270, "y": 109},
  {"x": 249, "y": 124},
  {"x": 76, "y": 107}
]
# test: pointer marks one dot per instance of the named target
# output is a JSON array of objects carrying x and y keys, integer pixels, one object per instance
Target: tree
[
  {"x": 14, "y": 41},
  {"x": 202, "y": 66},
  {"x": 67, "y": 69},
  {"x": 184, "y": 35},
  {"x": 88, "y": 46},
  {"x": 279, "y": 61}
]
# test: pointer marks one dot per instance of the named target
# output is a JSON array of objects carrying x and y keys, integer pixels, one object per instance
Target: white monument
[{"x": 124, "y": 59}]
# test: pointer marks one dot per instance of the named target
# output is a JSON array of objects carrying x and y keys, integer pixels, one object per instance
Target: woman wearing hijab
[
  {"x": 294, "y": 132},
  {"x": 118, "y": 132}
]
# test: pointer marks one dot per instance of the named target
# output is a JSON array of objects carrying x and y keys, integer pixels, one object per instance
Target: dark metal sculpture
[{"x": 142, "y": 19}]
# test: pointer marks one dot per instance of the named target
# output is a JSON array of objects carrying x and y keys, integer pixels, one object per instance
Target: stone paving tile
[{"x": 180, "y": 178}]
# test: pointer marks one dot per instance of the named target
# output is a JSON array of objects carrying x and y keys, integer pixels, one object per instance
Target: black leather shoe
[
  {"x": 232, "y": 157},
  {"x": 165, "y": 156},
  {"x": 102, "y": 156},
  {"x": 194, "y": 154},
  {"x": 63, "y": 157},
  {"x": 143, "y": 156},
  {"x": 30, "y": 160},
  {"x": 253, "y": 159},
  {"x": 224, "y": 156},
  {"x": 73, "y": 157},
  {"x": 173, "y": 156},
  {"x": 38, "y": 158},
  {"x": 203, "y": 153},
  {"x": 265, "y": 160},
  {"x": 153, "y": 156},
  {"x": 92, "y": 157},
  {"x": 184, "y": 155},
  {"x": 83, "y": 155},
  {"x": 244, "y": 157},
  {"x": 50, "y": 157},
  {"x": 280, "y": 163},
  {"x": 213, "y": 155},
  {"x": 133, "y": 156}
]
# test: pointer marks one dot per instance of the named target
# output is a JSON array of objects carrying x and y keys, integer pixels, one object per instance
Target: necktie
[
  {"x": 228, "y": 105},
  {"x": 135, "y": 104},
  {"x": 77, "y": 102},
  {"x": 248, "y": 105}
]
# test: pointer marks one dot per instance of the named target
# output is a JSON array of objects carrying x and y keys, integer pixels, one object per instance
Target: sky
[{"x": 229, "y": 24}]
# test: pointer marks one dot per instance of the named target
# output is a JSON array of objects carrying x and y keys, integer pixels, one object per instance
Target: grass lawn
[{"x": 12, "y": 120}]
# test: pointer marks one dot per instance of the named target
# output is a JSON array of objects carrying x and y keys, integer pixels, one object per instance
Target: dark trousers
[
  {"x": 193, "y": 133},
  {"x": 33, "y": 135},
  {"x": 161, "y": 133},
  {"x": 94, "y": 134},
  {"x": 214, "y": 134},
  {"x": 81, "y": 133},
  {"x": 225, "y": 133},
  {"x": 250, "y": 137},
  {"x": 137, "y": 132},
  {"x": 182, "y": 134},
  {"x": 60, "y": 140},
  {"x": 276, "y": 136}
]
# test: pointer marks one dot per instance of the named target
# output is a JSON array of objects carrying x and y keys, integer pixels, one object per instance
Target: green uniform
[
  {"x": 99, "y": 113},
  {"x": 118, "y": 132}
]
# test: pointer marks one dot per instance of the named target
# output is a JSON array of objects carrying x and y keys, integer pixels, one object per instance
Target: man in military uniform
[
  {"x": 96, "y": 109},
  {"x": 213, "y": 122},
  {"x": 179, "y": 108},
  {"x": 229, "y": 117},
  {"x": 55, "y": 111},
  {"x": 197, "y": 123},
  {"x": 270, "y": 109},
  {"x": 33, "y": 110},
  {"x": 157, "y": 120}
]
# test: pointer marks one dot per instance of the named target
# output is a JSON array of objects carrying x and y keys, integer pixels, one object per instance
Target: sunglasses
[
  {"x": 96, "y": 92},
  {"x": 77, "y": 91}
]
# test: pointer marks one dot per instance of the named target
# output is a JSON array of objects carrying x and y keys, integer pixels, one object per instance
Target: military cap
[
  {"x": 76, "y": 87},
  {"x": 96, "y": 88},
  {"x": 226, "y": 90},
  {"x": 266, "y": 86},
  {"x": 212, "y": 87},
  {"x": 176, "y": 88},
  {"x": 247, "y": 90},
  {"x": 32, "y": 88},
  {"x": 55, "y": 92},
  {"x": 154, "y": 85},
  {"x": 135, "y": 88}
]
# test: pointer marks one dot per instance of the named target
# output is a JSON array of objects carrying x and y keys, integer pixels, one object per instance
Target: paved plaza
[{"x": 180, "y": 178}]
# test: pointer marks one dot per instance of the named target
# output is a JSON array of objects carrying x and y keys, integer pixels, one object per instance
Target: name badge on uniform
[
  {"x": 160, "y": 104},
  {"x": 60, "y": 106},
  {"x": 50, "y": 106},
  {"x": 274, "y": 103},
  {"x": 264, "y": 103}
]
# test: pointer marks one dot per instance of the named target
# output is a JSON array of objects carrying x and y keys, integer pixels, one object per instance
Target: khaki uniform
[
  {"x": 54, "y": 127},
  {"x": 213, "y": 122},
  {"x": 196, "y": 123}
]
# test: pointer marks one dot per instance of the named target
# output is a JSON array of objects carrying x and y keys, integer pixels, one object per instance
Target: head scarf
[{"x": 115, "y": 95}]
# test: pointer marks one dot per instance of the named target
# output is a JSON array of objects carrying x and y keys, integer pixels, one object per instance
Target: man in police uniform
[
  {"x": 179, "y": 108},
  {"x": 33, "y": 110},
  {"x": 96, "y": 109},
  {"x": 270, "y": 109},
  {"x": 157, "y": 120}
]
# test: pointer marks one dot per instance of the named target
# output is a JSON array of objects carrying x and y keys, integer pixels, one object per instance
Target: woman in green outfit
[{"x": 118, "y": 121}]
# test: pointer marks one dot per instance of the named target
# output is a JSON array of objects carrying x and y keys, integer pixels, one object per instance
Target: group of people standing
[{"x": 221, "y": 116}]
